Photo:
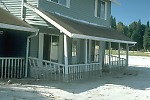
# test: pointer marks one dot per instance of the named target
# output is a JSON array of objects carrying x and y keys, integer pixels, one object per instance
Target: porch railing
[
  {"x": 81, "y": 71},
  {"x": 114, "y": 61},
  {"x": 43, "y": 69},
  {"x": 11, "y": 67}
]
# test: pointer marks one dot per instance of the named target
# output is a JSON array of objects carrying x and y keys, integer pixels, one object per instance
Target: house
[{"x": 72, "y": 38}]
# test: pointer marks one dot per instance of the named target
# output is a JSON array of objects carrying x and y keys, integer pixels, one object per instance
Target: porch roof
[
  {"x": 9, "y": 21},
  {"x": 78, "y": 29}
]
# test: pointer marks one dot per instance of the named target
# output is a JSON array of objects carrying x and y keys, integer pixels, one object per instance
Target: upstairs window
[
  {"x": 100, "y": 9},
  {"x": 65, "y": 3}
]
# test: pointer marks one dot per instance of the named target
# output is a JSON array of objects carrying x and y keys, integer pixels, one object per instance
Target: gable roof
[
  {"x": 89, "y": 31},
  {"x": 76, "y": 29},
  {"x": 7, "y": 20}
]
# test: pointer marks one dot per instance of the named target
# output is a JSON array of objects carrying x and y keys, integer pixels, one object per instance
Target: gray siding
[
  {"x": 13, "y": 6},
  {"x": 34, "y": 46},
  {"x": 79, "y": 9},
  {"x": 31, "y": 17}
]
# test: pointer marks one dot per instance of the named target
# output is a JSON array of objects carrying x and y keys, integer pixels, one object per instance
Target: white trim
[
  {"x": 66, "y": 5},
  {"x": 20, "y": 28},
  {"x": 115, "y": 2},
  {"x": 61, "y": 28},
  {"x": 100, "y": 38},
  {"x": 106, "y": 9}
]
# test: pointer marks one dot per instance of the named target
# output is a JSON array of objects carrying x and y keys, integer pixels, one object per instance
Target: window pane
[
  {"x": 55, "y": 1},
  {"x": 102, "y": 10},
  {"x": 63, "y": 2},
  {"x": 98, "y": 8}
]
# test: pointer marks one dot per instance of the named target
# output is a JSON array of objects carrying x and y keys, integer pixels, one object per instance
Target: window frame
[
  {"x": 66, "y": 5},
  {"x": 96, "y": 9}
]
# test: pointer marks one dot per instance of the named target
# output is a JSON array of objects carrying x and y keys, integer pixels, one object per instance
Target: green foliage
[
  {"x": 146, "y": 39},
  {"x": 113, "y": 22},
  {"x": 136, "y": 31}
]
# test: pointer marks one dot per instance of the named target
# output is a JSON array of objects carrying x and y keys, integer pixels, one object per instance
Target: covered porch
[{"x": 14, "y": 34}]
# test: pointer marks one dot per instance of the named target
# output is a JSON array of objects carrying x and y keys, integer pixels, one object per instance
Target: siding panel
[{"x": 79, "y": 9}]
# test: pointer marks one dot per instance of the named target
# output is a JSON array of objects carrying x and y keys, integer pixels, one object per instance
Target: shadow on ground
[{"x": 135, "y": 77}]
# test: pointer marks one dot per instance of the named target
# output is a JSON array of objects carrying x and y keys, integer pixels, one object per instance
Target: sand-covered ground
[{"x": 134, "y": 84}]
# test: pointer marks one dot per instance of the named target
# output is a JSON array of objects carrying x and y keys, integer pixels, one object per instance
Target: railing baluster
[
  {"x": 11, "y": 68},
  {"x": 5, "y": 67},
  {"x": 8, "y": 68},
  {"x": 2, "y": 68},
  {"x": 20, "y": 68}
]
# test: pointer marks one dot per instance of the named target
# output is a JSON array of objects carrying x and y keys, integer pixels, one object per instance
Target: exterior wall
[
  {"x": 34, "y": 45},
  {"x": 79, "y": 9}
]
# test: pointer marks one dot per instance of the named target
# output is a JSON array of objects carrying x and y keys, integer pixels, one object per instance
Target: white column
[
  {"x": 41, "y": 43},
  {"x": 110, "y": 55},
  {"x": 90, "y": 50},
  {"x": 101, "y": 55},
  {"x": 86, "y": 55},
  {"x": 27, "y": 55},
  {"x": 127, "y": 54},
  {"x": 119, "y": 62},
  {"x": 66, "y": 58}
]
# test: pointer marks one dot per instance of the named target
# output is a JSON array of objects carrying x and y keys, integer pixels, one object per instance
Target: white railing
[
  {"x": 81, "y": 71},
  {"x": 42, "y": 69},
  {"x": 11, "y": 67},
  {"x": 114, "y": 61}
]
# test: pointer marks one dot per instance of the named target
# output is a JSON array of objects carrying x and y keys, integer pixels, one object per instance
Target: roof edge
[
  {"x": 100, "y": 38},
  {"x": 20, "y": 28}
]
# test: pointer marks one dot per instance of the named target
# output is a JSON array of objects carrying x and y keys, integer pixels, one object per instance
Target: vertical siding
[{"x": 79, "y": 9}]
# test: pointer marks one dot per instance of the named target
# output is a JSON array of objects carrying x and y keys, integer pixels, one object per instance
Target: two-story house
[{"x": 72, "y": 38}]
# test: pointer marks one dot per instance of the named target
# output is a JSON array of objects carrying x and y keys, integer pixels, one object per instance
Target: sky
[{"x": 131, "y": 10}]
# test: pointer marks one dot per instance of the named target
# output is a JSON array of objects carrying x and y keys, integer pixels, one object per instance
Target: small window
[
  {"x": 100, "y": 9},
  {"x": 65, "y": 3}
]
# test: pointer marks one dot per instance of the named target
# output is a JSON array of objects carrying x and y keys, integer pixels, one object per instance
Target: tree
[
  {"x": 113, "y": 22},
  {"x": 147, "y": 25},
  {"x": 146, "y": 39},
  {"x": 135, "y": 37}
]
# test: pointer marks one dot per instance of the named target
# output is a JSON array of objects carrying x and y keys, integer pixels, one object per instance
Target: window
[
  {"x": 100, "y": 9},
  {"x": 94, "y": 52},
  {"x": 61, "y": 2}
]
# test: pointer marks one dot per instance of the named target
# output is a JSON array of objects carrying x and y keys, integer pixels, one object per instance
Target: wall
[{"x": 79, "y": 9}]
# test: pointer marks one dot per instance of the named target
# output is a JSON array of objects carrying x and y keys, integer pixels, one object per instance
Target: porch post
[
  {"x": 101, "y": 59},
  {"x": 127, "y": 55},
  {"x": 86, "y": 55},
  {"x": 119, "y": 62},
  {"x": 89, "y": 50},
  {"x": 66, "y": 58},
  {"x": 27, "y": 55},
  {"x": 41, "y": 42},
  {"x": 110, "y": 56}
]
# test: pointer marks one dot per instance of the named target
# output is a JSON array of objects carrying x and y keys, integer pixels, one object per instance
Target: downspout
[{"x": 27, "y": 51}]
